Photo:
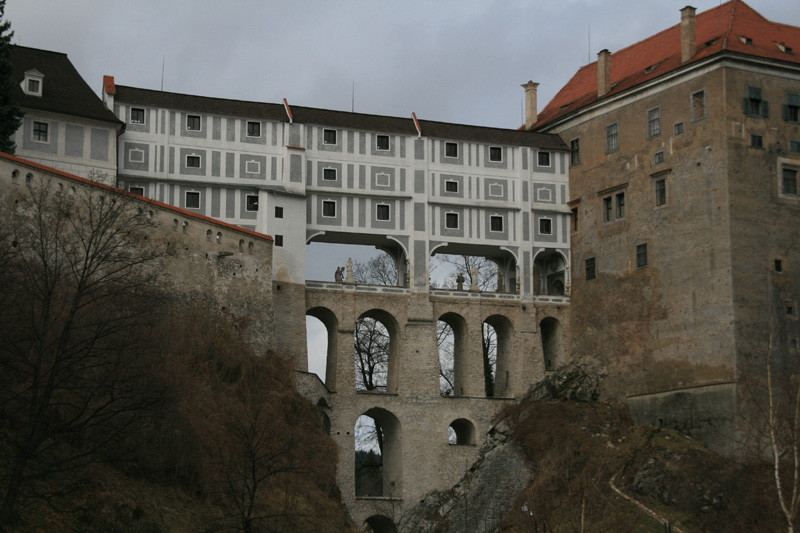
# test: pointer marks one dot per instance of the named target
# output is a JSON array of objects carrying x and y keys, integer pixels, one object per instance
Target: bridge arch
[
  {"x": 331, "y": 323},
  {"x": 497, "y": 347},
  {"x": 550, "y": 273},
  {"x": 552, "y": 343},
  {"x": 451, "y": 335},
  {"x": 379, "y": 523},
  {"x": 378, "y": 431},
  {"x": 461, "y": 432},
  {"x": 376, "y": 352}
]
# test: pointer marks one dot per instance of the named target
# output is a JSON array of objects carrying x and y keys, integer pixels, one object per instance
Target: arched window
[
  {"x": 461, "y": 432},
  {"x": 378, "y": 454},
  {"x": 451, "y": 330},
  {"x": 374, "y": 352},
  {"x": 551, "y": 343}
]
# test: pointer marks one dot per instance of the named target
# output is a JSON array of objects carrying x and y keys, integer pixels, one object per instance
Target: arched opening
[
  {"x": 496, "y": 340},
  {"x": 378, "y": 460},
  {"x": 549, "y": 273},
  {"x": 321, "y": 327},
  {"x": 551, "y": 343},
  {"x": 461, "y": 432},
  {"x": 379, "y": 523},
  {"x": 474, "y": 268},
  {"x": 373, "y": 352},
  {"x": 451, "y": 330},
  {"x": 361, "y": 259}
]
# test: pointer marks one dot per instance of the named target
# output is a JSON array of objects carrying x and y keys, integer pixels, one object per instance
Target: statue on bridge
[
  {"x": 460, "y": 282},
  {"x": 339, "y": 276},
  {"x": 349, "y": 265}
]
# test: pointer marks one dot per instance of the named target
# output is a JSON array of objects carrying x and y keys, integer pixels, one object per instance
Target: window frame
[
  {"x": 137, "y": 187},
  {"x": 612, "y": 137},
  {"x": 378, "y": 142},
  {"x": 756, "y": 141},
  {"x": 138, "y": 116},
  {"x": 35, "y": 91},
  {"x": 330, "y": 137},
  {"x": 791, "y": 109},
  {"x": 252, "y": 162},
  {"x": 448, "y": 216},
  {"x": 619, "y": 205},
  {"x": 193, "y": 157},
  {"x": 678, "y": 129},
  {"x": 193, "y": 194},
  {"x": 700, "y": 104},
  {"x": 278, "y": 240},
  {"x": 447, "y": 150},
  {"x": 660, "y": 190},
  {"x": 447, "y": 184},
  {"x": 248, "y": 203},
  {"x": 754, "y": 103},
  {"x": 329, "y": 171},
  {"x": 378, "y": 212},
  {"x": 500, "y": 226},
  {"x": 590, "y": 268},
  {"x": 194, "y": 120},
  {"x": 139, "y": 152},
  {"x": 40, "y": 132},
  {"x": 545, "y": 226},
  {"x": 575, "y": 151},
  {"x": 544, "y": 159},
  {"x": 794, "y": 180},
  {"x": 498, "y": 150},
  {"x": 329, "y": 205},
  {"x": 653, "y": 122},
  {"x": 278, "y": 211},
  {"x": 658, "y": 157},
  {"x": 253, "y": 125},
  {"x": 641, "y": 255}
]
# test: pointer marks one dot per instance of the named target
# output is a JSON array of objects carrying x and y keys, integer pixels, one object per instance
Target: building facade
[
  {"x": 685, "y": 150},
  {"x": 65, "y": 126}
]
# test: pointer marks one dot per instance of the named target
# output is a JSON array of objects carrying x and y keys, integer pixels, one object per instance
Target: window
[
  {"x": 329, "y": 208},
  {"x": 545, "y": 226},
  {"x": 251, "y": 202},
  {"x": 450, "y": 186},
  {"x": 40, "y": 131},
  {"x": 791, "y": 109},
  {"x": 495, "y": 154},
  {"x": 252, "y": 167},
  {"x": 496, "y": 190},
  {"x": 575, "y": 151},
  {"x": 278, "y": 240},
  {"x": 136, "y": 155},
  {"x": 451, "y": 220},
  {"x": 450, "y": 150},
  {"x": 192, "y": 200},
  {"x": 329, "y": 174},
  {"x": 496, "y": 223},
  {"x": 382, "y": 142},
  {"x": 278, "y": 211},
  {"x": 544, "y": 159},
  {"x": 746, "y": 40},
  {"x": 608, "y": 211},
  {"x": 612, "y": 137},
  {"x": 698, "y": 105},
  {"x": 678, "y": 129},
  {"x": 574, "y": 219},
  {"x": 661, "y": 191},
  {"x": 754, "y": 104},
  {"x": 756, "y": 141},
  {"x": 794, "y": 146},
  {"x": 253, "y": 129},
  {"x": 789, "y": 181},
  {"x": 790, "y": 309},
  {"x": 382, "y": 212},
  {"x": 658, "y": 157},
  {"x": 193, "y": 122},
  {"x": 641, "y": 255},
  {"x": 590, "y": 268},
  {"x": 778, "y": 265},
  {"x": 382, "y": 180},
  {"x": 654, "y": 122},
  {"x": 620, "y": 205},
  {"x": 137, "y": 115},
  {"x": 34, "y": 86},
  {"x": 328, "y": 136},
  {"x": 192, "y": 161},
  {"x": 136, "y": 190}
]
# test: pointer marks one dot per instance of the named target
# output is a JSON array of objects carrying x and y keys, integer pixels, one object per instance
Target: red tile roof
[
  {"x": 136, "y": 197},
  {"x": 721, "y": 29}
]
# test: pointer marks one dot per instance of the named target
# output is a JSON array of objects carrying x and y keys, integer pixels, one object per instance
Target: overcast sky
[{"x": 454, "y": 61}]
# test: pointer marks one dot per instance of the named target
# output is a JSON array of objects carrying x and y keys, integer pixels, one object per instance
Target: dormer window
[
  {"x": 783, "y": 48},
  {"x": 32, "y": 84},
  {"x": 746, "y": 40}
]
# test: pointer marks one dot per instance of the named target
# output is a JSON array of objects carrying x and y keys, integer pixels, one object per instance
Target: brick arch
[
  {"x": 504, "y": 329},
  {"x": 464, "y": 432},
  {"x": 331, "y": 323},
  {"x": 552, "y": 342},
  {"x": 392, "y": 449},
  {"x": 393, "y": 330},
  {"x": 459, "y": 328},
  {"x": 379, "y": 523}
]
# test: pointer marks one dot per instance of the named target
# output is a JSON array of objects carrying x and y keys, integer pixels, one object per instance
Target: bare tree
[
  {"x": 378, "y": 270},
  {"x": 74, "y": 286}
]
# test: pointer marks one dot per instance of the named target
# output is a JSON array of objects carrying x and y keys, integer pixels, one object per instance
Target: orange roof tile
[{"x": 721, "y": 29}]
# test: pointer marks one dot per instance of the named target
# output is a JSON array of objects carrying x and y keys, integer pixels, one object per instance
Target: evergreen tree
[{"x": 10, "y": 113}]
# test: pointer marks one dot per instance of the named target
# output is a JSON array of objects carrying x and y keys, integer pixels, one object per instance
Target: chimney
[
  {"x": 531, "y": 115},
  {"x": 688, "y": 34},
  {"x": 603, "y": 72}
]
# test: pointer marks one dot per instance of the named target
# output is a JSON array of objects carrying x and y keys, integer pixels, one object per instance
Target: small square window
[
  {"x": 451, "y": 220},
  {"x": 251, "y": 202},
  {"x": 612, "y": 137},
  {"x": 382, "y": 142},
  {"x": 496, "y": 223},
  {"x": 278, "y": 211},
  {"x": 756, "y": 141},
  {"x": 192, "y": 200},
  {"x": 34, "y": 86},
  {"x": 136, "y": 190},
  {"x": 661, "y": 191},
  {"x": 193, "y": 122},
  {"x": 137, "y": 115},
  {"x": 678, "y": 129},
  {"x": 544, "y": 159},
  {"x": 658, "y": 157},
  {"x": 382, "y": 212},
  {"x": 451, "y": 186},
  {"x": 278, "y": 240},
  {"x": 789, "y": 181},
  {"x": 575, "y": 151},
  {"x": 328, "y": 136},
  {"x": 495, "y": 154},
  {"x": 329, "y": 174},
  {"x": 641, "y": 255},
  {"x": 450, "y": 150},
  {"x": 590, "y": 268},
  {"x": 329, "y": 208},
  {"x": 545, "y": 226},
  {"x": 778, "y": 265},
  {"x": 192, "y": 161},
  {"x": 654, "y": 122},
  {"x": 40, "y": 131},
  {"x": 253, "y": 129}
]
